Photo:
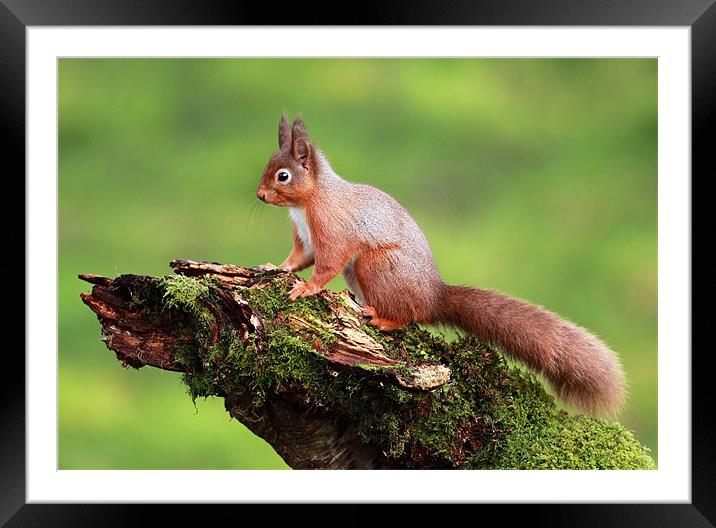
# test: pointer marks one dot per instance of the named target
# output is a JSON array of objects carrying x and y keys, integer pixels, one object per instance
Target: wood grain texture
[{"x": 304, "y": 435}]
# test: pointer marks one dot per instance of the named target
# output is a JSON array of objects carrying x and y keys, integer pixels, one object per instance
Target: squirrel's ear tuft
[
  {"x": 285, "y": 138},
  {"x": 299, "y": 128},
  {"x": 301, "y": 145}
]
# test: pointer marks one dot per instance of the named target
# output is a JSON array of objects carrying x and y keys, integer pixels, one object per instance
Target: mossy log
[{"x": 328, "y": 391}]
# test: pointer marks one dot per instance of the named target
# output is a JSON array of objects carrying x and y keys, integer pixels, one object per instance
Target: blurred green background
[{"x": 536, "y": 177}]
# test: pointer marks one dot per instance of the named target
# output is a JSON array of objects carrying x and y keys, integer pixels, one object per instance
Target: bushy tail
[{"x": 582, "y": 370}]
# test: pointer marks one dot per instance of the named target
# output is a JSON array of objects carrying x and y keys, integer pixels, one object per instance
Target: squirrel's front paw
[
  {"x": 302, "y": 289},
  {"x": 286, "y": 267}
]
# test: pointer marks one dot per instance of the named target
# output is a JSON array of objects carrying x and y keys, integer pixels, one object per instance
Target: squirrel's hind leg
[{"x": 380, "y": 323}]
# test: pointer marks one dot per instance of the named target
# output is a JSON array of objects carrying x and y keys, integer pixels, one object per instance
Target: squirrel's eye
[{"x": 283, "y": 176}]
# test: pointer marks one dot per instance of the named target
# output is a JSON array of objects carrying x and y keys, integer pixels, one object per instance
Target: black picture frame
[{"x": 17, "y": 15}]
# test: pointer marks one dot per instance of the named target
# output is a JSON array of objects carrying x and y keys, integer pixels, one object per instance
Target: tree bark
[{"x": 314, "y": 380}]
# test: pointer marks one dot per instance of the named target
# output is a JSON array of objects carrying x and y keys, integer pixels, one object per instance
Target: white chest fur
[{"x": 299, "y": 220}]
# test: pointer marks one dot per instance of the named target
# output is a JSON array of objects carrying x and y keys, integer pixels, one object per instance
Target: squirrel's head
[{"x": 289, "y": 178}]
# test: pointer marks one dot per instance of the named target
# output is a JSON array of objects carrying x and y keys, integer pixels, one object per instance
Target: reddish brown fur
[
  {"x": 394, "y": 306},
  {"x": 389, "y": 264},
  {"x": 581, "y": 369},
  {"x": 297, "y": 260}
]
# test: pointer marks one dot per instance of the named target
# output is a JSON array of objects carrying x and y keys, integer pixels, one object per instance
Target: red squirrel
[{"x": 356, "y": 229}]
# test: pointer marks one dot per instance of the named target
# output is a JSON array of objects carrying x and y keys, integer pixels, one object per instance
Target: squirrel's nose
[{"x": 261, "y": 195}]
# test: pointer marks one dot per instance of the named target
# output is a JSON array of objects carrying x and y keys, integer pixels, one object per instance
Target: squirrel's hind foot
[{"x": 380, "y": 322}]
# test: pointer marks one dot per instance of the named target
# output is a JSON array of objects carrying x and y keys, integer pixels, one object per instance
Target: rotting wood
[
  {"x": 304, "y": 436},
  {"x": 366, "y": 399}
]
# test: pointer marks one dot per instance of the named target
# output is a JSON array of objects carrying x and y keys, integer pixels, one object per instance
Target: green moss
[
  {"x": 178, "y": 294},
  {"x": 572, "y": 442},
  {"x": 540, "y": 436},
  {"x": 185, "y": 294},
  {"x": 268, "y": 301},
  {"x": 273, "y": 300},
  {"x": 490, "y": 416}
]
